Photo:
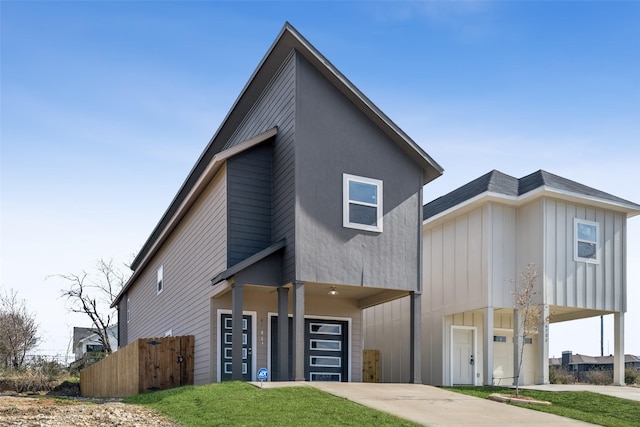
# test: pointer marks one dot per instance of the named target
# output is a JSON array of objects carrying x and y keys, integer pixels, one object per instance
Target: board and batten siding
[
  {"x": 276, "y": 107},
  {"x": 570, "y": 283},
  {"x": 385, "y": 329},
  {"x": 193, "y": 254},
  {"x": 249, "y": 203}
]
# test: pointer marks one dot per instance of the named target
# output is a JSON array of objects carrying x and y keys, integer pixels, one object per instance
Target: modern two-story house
[
  {"x": 477, "y": 240},
  {"x": 304, "y": 209}
]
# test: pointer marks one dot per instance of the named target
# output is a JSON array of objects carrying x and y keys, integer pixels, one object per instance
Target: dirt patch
[
  {"x": 511, "y": 398},
  {"x": 51, "y": 412}
]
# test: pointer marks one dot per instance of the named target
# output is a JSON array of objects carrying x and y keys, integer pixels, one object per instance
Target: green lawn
[
  {"x": 580, "y": 405},
  {"x": 237, "y": 403}
]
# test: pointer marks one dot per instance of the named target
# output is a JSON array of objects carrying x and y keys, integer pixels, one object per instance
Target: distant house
[
  {"x": 476, "y": 241},
  {"x": 87, "y": 340},
  {"x": 304, "y": 209},
  {"x": 582, "y": 363}
]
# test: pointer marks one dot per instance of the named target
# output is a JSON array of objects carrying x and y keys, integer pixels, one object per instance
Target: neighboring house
[
  {"x": 581, "y": 363},
  {"x": 86, "y": 342},
  {"x": 304, "y": 209},
  {"x": 477, "y": 240}
]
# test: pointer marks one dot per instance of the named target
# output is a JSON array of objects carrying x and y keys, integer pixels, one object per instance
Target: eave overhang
[{"x": 630, "y": 209}]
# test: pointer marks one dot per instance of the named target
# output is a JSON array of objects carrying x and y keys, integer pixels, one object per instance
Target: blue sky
[{"x": 106, "y": 106}]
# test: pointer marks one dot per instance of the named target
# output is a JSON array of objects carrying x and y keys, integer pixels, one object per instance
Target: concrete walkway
[
  {"x": 432, "y": 406},
  {"x": 623, "y": 392}
]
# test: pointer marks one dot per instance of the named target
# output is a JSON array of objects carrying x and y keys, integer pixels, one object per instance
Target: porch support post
[
  {"x": 236, "y": 331},
  {"x": 487, "y": 346},
  {"x": 517, "y": 346},
  {"x": 543, "y": 345},
  {"x": 618, "y": 348},
  {"x": 283, "y": 334},
  {"x": 415, "y": 335},
  {"x": 298, "y": 331}
]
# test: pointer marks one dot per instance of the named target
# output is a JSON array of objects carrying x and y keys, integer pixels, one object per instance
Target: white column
[
  {"x": 517, "y": 345},
  {"x": 543, "y": 346},
  {"x": 618, "y": 348},
  {"x": 487, "y": 346}
]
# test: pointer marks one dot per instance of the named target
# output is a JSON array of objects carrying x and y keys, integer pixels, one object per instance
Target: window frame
[
  {"x": 347, "y": 202},
  {"x": 160, "y": 279},
  {"x": 576, "y": 240}
]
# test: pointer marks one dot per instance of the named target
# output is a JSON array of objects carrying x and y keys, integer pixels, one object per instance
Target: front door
[
  {"x": 462, "y": 356},
  {"x": 226, "y": 338},
  {"x": 326, "y": 350}
]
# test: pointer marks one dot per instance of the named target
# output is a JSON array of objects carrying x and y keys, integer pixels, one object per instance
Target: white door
[{"x": 462, "y": 357}]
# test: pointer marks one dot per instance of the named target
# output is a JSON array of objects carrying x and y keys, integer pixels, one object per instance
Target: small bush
[
  {"x": 631, "y": 376},
  {"x": 560, "y": 376},
  {"x": 599, "y": 377}
]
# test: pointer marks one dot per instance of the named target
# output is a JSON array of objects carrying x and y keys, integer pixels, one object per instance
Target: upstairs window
[
  {"x": 362, "y": 203},
  {"x": 586, "y": 241},
  {"x": 160, "y": 281}
]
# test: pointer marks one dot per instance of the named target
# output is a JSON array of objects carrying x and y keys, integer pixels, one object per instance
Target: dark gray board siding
[
  {"x": 276, "y": 107},
  {"x": 333, "y": 137},
  {"x": 249, "y": 203},
  {"x": 122, "y": 322}
]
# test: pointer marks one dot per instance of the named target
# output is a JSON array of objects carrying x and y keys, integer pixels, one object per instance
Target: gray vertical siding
[
  {"x": 334, "y": 137},
  {"x": 194, "y": 253},
  {"x": 122, "y": 322},
  {"x": 249, "y": 203},
  {"x": 276, "y": 107}
]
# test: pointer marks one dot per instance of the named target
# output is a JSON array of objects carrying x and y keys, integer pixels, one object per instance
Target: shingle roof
[{"x": 500, "y": 183}]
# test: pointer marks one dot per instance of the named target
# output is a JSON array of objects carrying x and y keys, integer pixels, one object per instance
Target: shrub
[
  {"x": 631, "y": 376},
  {"x": 599, "y": 377},
  {"x": 560, "y": 376}
]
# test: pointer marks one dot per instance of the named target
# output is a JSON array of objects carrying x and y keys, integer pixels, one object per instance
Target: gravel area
[{"x": 51, "y": 412}]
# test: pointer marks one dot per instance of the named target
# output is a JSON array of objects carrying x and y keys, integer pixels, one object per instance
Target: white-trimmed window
[
  {"x": 128, "y": 311},
  {"x": 586, "y": 240},
  {"x": 362, "y": 203},
  {"x": 160, "y": 281}
]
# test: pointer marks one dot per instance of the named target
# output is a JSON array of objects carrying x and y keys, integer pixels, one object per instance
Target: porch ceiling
[
  {"x": 364, "y": 296},
  {"x": 563, "y": 314}
]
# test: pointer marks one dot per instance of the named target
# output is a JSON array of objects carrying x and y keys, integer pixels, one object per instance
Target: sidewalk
[
  {"x": 428, "y": 405},
  {"x": 623, "y": 392}
]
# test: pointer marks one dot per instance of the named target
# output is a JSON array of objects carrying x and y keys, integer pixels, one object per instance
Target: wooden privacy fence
[
  {"x": 371, "y": 366},
  {"x": 143, "y": 365}
]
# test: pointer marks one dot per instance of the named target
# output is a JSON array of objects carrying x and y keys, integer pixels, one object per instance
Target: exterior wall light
[{"x": 333, "y": 291}]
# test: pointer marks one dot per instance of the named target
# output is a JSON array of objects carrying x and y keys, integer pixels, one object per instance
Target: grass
[
  {"x": 237, "y": 403},
  {"x": 580, "y": 405}
]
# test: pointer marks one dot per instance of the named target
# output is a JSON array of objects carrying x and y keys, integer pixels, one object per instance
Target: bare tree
[
  {"x": 93, "y": 295},
  {"x": 18, "y": 330},
  {"x": 528, "y": 312}
]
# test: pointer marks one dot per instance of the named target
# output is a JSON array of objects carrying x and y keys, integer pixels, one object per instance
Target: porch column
[
  {"x": 517, "y": 346},
  {"x": 487, "y": 346},
  {"x": 618, "y": 348},
  {"x": 415, "y": 335},
  {"x": 298, "y": 331},
  {"x": 543, "y": 345},
  {"x": 236, "y": 331},
  {"x": 283, "y": 333}
]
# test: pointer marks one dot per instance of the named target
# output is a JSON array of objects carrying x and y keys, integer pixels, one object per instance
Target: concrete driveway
[{"x": 431, "y": 406}]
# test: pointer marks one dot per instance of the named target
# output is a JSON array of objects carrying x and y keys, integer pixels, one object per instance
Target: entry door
[
  {"x": 226, "y": 338},
  {"x": 462, "y": 357},
  {"x": 325, "y": 350}
]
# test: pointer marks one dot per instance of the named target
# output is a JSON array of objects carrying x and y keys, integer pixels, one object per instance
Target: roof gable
[
  {"x": 288, "y": 39},
  {"x": 498, "y": 184}
]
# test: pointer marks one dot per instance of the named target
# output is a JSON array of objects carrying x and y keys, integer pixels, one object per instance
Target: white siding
[{"x": 579, "y": 284}]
